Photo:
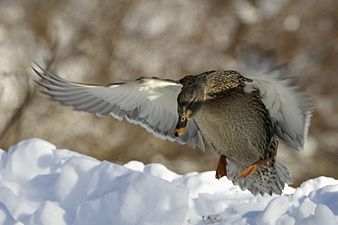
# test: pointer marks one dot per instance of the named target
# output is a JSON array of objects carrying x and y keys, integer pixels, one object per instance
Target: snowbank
[{"x": 42, "y": 185}]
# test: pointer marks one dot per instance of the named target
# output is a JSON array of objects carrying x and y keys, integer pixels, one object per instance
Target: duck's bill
[{"x": 179, "y": 131}]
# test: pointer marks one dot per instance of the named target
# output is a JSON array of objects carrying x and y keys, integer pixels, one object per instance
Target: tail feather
[{"x": 269, "y": 178}]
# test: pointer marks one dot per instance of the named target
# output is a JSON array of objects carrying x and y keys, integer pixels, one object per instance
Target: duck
[{"x": 240, "y": 117}]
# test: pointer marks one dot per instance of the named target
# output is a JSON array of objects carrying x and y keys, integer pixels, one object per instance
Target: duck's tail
[{"x": 269, "y": 177}]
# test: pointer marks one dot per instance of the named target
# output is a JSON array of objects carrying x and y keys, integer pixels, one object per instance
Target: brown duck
[{"x": 240, "y": 117}]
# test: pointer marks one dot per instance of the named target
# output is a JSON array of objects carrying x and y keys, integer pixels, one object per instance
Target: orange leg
[
  {"x": 251, "y": 169},
  {"x": 221, "y": 170}
]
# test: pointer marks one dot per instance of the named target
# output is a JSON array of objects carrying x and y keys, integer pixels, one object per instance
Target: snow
[{"x": 40, "y": 184}]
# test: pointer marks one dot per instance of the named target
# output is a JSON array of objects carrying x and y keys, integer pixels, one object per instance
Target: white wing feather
[
  {"x": 149, "y": 102},
  {"x": 288, "y": 108}
]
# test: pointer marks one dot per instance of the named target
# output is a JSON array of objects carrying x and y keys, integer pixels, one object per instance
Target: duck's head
[
  {"x": 188, "y": 103},
  {"x": 184, "y": 114}
]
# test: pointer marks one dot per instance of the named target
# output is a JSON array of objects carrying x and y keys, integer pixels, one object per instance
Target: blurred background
[{"x": 107, "y": 41}]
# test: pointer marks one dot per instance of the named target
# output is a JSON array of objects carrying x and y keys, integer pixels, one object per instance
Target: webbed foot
[
  {"x": 221, "y": 170},
  {"x": 251, "y": 169}
]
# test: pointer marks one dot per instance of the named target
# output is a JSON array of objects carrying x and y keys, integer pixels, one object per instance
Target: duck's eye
[{"x": 183, "y": 118}]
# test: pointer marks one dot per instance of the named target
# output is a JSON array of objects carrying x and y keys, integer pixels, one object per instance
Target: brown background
[{"x": 105, "y": 41}]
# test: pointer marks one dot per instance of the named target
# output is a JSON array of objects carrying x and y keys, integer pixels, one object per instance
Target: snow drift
[{"x": 40, "y": 184}]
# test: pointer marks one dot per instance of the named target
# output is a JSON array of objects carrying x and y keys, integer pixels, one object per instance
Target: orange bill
[{"x": 179, "y": 131}]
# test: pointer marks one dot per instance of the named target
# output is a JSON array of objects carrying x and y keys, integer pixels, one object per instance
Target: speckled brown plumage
[{"x": 234, "y": 123}]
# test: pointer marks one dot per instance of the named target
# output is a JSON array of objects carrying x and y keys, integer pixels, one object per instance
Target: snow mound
[{"x": 40, "y": 184}]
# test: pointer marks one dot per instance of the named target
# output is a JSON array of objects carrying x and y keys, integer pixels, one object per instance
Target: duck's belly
[{"x": 235, "y": 127}]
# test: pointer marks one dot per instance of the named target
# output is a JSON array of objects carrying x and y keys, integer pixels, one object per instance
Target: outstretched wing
[
  {"x": 289, "y": 109},
  {"x": 149, "y": 102}
]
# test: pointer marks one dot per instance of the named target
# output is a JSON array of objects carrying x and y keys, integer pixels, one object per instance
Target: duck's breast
[{"x": 235, "y": 126}]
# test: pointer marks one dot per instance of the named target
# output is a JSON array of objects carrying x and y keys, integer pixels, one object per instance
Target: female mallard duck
[{"x": 239, "y": 117}]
